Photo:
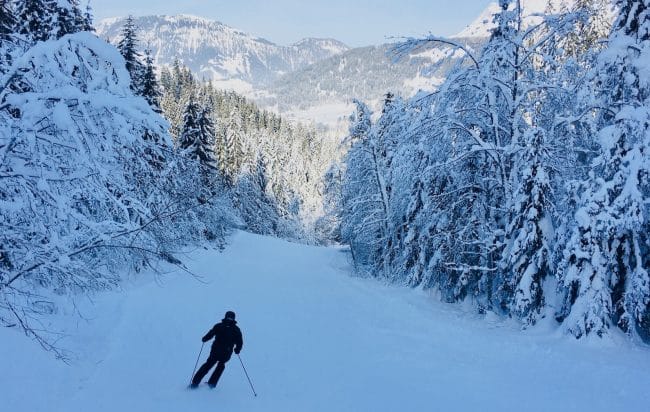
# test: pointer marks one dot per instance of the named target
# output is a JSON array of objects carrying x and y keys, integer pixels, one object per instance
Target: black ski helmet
[{"x": 230, "y": 315}]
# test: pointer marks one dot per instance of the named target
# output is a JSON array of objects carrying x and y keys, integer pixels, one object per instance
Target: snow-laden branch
[{"x": 410, "y": 44}]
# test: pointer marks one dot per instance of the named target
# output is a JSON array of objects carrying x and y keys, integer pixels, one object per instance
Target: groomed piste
[{"x": 315, "y": 339}]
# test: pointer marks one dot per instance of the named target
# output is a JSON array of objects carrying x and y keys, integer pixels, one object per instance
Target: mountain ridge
[
  {"x": 219, "y": 52},
  {"x": 313, "y": 79}
]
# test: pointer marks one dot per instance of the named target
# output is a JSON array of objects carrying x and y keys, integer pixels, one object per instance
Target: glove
[
  {"x": 237, "y": 351},
  {"x": 203, "y": 339}
]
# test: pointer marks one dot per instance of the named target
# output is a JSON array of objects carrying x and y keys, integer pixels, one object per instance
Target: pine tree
[
  {"x": 36, "y": 20},
  {"x": 607, "y": 259},
  {"x": 526, "y": 258},
  {"x": 7, "y": 27},
  {"x": 592, "y": 27},
  {"x": 189, "y": 136},
  {"x": 233, "y": 146},
  {"x": 150, "y": 89},
  {"x": 88, "y": 18},
  {"x": 7, "y": 21},
  {"x": 67, "y": 17},
  {"x": 197, "y": 139},
  {"x": 79, "y": 17},
  {"x": 205, "y": 149},
  {"x": 128, "y": 47}
]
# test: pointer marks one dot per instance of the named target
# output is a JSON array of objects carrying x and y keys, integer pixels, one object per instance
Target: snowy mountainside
[
  {"x": 216, "y": 51},
  {"x": 365, "y": 73},
  {"x": 311, "y": 80},
  {"x": 324, "y": 91},
  {"x": 483, "y": 25}
]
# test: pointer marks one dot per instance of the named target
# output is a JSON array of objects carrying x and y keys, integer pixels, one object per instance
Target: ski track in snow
[{"x": 315, "y": 339}]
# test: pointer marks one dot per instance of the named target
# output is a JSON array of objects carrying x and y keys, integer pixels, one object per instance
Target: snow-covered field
[{"x": 315, "y": 339}]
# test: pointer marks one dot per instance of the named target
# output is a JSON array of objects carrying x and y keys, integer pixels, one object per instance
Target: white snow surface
[
  {"x": 315, "y": 339},
  {"x": 483, "y": 25}
]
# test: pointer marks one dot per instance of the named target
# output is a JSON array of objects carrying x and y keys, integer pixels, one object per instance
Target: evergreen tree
[
  {"x": 293, "y": 158},
  {"x": 197, "y": 139},
  {"x": 68, "y": 17},
  {"x": 206, "y": 144},
  {"x": 128, "y": 47},
  {"x": 593, "y": 26},
  {"x": 529, "y": 235},
  {"x": 189, "y": 137},
  {"x": 36, "y": 20},
  {"x": 88, "y": 18},
  {"x": 233, "y": 136},
  {"x": 7, "y": 27},
  {"x": 607, "y": 259},
  {"x": 150, "y": 89},
  {"x": 7, "y": 21}
]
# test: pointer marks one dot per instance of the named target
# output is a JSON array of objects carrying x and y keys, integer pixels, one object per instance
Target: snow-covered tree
[
  {"x": 529, "y": 235},
  {"x": 606, "y": 262},
  {"x": 36, "y": 20},
  {"x": 189, "y": 138},
  {"x": 87, "y": 23},
  {"x": 593, "y": 25},
  {"x": 80, "y": 199},
  {"x": 257, "y": 208},
  {"x": 207, "y": 134},
  {"x": 469, "y": 175},
  {"x": 197, "y": 140},
  {"x": 233, "y": 149},
  {"x": 150, "y": 89},
  {"x": 295, "y": 157},
  {"x": 7, "y": 20},
  {"x": 364, "y": 197},
  {"x": 7, "y": 40},
  {"x": 68, "y": 17},
  {"x": 41, "y": 20},
  {"x": 128, "y": 47}
]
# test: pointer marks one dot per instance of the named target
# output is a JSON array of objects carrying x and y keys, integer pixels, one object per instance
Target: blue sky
[{"x": 355, "y": 22}]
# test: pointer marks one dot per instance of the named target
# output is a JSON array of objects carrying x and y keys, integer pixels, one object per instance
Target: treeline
[
  {"x": 522, "y": 184},
  {"x": 274, "y": 167}
]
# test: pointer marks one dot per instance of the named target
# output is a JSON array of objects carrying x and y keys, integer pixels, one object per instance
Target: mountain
[
  {"x": 325, "y": 90},
  {"x": 482, "y": 26},
  {"x": 221, "y": 53},
  {"x": 314, "y": 79}
]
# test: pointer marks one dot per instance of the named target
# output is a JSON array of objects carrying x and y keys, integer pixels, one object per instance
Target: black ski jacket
[{"x": 227, "y": 337}]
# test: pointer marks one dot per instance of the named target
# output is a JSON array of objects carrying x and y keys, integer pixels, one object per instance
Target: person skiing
[{"x": 227, "y": 336}]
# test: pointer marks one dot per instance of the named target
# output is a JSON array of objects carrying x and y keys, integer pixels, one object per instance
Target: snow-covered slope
[
  {"x": 365, "y": 73},
  {"x": 219, "y": 52},
  {"x": 315, "y": 339},
  {"x": 301, "y": 79},
  {"x": 483, "y": 25}
]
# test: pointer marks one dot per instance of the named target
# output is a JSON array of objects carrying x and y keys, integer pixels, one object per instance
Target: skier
[{"x": 226, "y": 336}]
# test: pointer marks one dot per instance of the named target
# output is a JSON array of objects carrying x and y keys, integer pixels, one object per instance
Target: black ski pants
[{"x": 205, "y": 368}]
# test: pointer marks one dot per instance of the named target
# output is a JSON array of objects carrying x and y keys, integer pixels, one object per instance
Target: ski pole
[
  {"x": 247, "y": 377},
  {"x": 197, "y": 362}
]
